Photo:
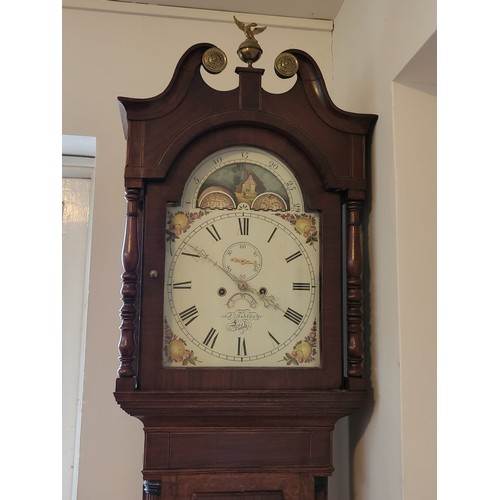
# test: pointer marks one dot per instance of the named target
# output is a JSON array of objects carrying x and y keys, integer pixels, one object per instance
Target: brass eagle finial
[
  {"x": 250, "y": 29},
  {"x": 249, "y": 51}
]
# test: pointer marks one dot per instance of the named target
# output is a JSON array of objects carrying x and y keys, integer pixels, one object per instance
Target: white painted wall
[
  {"x": 415, "y": 147},
  {"x": 393, "y": 438},
  {"x": 112, "y": 49}
]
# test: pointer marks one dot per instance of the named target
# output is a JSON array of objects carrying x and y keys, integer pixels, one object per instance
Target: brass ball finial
[{"x": 249, "y": 51}]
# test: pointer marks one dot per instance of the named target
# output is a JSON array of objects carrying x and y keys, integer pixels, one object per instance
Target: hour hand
[{"x": 268, "y": 300}]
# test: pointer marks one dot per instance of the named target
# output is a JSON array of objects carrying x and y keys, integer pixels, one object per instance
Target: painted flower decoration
[
  {"x": 179, "y": 222},
  {"x": 175, "y": 350},
  {"x": 304, "y": 224},
  {"x": 303, "y": 351}
]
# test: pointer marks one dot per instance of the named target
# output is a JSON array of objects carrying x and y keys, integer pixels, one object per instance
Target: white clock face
[{"x": 241, "y": 284}]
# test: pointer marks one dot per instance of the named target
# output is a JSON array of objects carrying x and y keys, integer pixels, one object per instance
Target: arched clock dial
[
  {"x": 242, "y": 289},
  {"x": 241, "y": 268}
]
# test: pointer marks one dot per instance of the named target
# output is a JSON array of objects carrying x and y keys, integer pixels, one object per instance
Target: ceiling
[{"x": 308, "y": 9}]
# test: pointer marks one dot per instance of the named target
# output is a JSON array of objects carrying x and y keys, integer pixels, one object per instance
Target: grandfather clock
[{"x": 242, "y": 327}]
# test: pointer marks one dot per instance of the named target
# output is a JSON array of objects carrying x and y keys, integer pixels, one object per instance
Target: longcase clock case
[{"x": 249, "y": 432}]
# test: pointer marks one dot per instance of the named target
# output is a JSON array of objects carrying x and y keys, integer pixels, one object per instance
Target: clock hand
[
  {"x": 244, "y": 261},
  {"x": 268, "y": 300},
  {"x": 205, "y": 256}
]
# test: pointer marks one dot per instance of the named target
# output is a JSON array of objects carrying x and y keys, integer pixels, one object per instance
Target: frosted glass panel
[{"x": 75, "y": 229}]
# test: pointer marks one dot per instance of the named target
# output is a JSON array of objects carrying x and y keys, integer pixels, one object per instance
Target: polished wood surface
[{"x": 242, "y": 433}]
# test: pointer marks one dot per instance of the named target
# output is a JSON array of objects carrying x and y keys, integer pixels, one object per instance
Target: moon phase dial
[{"x": 239, "y": 177}]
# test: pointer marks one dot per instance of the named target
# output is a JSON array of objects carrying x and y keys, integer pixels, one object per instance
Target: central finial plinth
[{"x": 249, "y": 51}]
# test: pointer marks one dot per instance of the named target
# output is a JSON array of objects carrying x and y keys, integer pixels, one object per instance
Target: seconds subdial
[{"x": 243, "y": 260}]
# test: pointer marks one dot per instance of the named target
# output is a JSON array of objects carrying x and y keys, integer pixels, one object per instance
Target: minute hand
[
  {"x": 268, "y": 300},
  {"x": 203, "y": 254}
]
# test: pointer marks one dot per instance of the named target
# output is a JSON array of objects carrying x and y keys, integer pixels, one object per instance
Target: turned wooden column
[
  {"x": 354, "y": 267},
  {"x": 129, "y": 290}
]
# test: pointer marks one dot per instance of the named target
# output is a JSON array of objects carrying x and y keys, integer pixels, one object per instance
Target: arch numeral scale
[{"x": 209, "y": 431}]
